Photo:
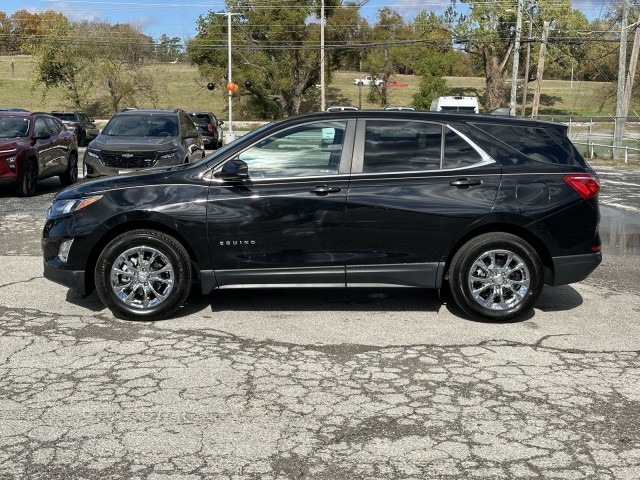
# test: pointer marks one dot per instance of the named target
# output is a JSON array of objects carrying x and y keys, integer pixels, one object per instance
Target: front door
[{"x": 285, "y": 224}]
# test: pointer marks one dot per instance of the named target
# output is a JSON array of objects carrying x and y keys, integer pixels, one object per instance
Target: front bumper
[
  {"x": 9, "y": 179},
  {"x": 72, "y": 279},
  {"x": 95, "y": 168}
]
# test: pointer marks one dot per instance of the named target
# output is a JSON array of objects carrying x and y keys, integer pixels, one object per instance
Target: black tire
[
  {"x": 28, "y": 181},
  {"x": 70, "y": 176},
  {"x": 143, "y": 275},
  {"x": 496, "y": 276}
]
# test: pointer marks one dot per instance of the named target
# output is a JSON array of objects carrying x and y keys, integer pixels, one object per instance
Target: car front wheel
[
  {"x": 496, "y": 276},
  {"x": 70, "y": 176},
  {"x": 28, "y": 181},
  {"x": 143, "y": 275}
]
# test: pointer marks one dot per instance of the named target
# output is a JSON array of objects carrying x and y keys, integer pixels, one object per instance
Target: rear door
[{"x": 416, "y": 187}]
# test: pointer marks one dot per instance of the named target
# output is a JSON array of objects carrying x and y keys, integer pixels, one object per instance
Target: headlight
[
  {"x": 64, "y": 207},
  {"x": 169, "y": 154},
  {"x": 92, "y": 153}
]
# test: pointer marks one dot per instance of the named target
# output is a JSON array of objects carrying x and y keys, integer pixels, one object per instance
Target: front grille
[{"x": 128, "y": 159}]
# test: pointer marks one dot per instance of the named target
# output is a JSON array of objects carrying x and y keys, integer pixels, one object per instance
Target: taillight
[
  {"x": 211, "y": 127},
  {"x": 586, "y": 185}
]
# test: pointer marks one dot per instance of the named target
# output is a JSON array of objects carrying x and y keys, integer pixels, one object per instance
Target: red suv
[{"x": 34, "y": 146}]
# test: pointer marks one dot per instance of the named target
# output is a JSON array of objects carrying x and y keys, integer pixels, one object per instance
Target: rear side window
[
  {"x": 406, "y": 146},
  {"x": 544, "y": 144}
]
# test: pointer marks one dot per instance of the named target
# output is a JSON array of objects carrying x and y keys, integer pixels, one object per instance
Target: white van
[{"x": 455, "y": 104}]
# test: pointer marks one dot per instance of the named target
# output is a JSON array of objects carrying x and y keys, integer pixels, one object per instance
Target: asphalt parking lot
[{"x": 321, "y": 384}]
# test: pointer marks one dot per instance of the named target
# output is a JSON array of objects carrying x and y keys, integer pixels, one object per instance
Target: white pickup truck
[{"x": 368, "y": 80}]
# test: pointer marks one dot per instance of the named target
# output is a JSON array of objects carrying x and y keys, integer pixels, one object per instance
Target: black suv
[
  {"x": 493, "y": 207},
  {"x": 136, "y": 139},
  {"x": 34, "y": 146},
  {"x": 79, "y": 123},
  {"x": 210, "y": 128}
]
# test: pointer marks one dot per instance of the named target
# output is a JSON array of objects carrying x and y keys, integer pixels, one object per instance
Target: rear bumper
[{"x": 574, "y": 268}]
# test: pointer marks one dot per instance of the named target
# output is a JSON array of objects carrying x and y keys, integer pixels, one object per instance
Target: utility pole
[
  {"x": 618, "y": 131},
  {"x": 633, "y": 65},
  {"x": 543, "y": 51},
  {"x": 525, "y": 81},
  {"x": 230, "y": 135},
  {"x": 516, "y": 61},
  {"x": 322, "y": 94}
]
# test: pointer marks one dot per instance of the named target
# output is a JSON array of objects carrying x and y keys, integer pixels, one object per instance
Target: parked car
[
  {"x": 491, "y": 207},
  {"x": 80, "y": 124},
  {"x": 35, "y": 146},
  {"x": 12, "y": 109},
  {"x": 455, "y": 104},
  {"x": 367, "y": 81},
  {"x": 137, "y": 139},
  {"x": 210, "y": 128}
]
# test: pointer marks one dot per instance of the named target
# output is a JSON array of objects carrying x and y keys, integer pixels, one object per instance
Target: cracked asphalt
[{"x": 321, "y": 384}]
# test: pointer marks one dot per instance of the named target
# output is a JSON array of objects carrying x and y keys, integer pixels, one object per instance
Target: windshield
[
  {"x": 67, "y": 117},
  {"x": 221, "y": 151},
  {"x": 201, "y": 118},
  {"x": 143, "y": 125},
  {"x": 11, "y": 127}
]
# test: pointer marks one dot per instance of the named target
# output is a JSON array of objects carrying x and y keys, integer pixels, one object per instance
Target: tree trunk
[{"x": 495, "y": 84}]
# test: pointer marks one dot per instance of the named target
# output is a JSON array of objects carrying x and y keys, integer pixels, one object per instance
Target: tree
[
  {"x": 394, "y": 51},
  {"x": 120, "y": 69},
  {"x": 5, "y": 32},
  {"x": 79, "y": 57},
  {"x": 169, "y": 49},
  {"x": 275, "y": 47},
  {"x": 435, "y": 59},
  {"x": 61, "y": 62},
  {"x": 488, "y": 30}
]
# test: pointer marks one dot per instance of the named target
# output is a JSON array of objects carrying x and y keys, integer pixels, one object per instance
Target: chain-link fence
[{"x": 593, "y": 136}]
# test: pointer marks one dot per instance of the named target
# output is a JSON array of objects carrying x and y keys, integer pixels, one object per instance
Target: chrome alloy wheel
[
  {"x": 499, "y": 280},
  {"x": 142, "y": 277}
]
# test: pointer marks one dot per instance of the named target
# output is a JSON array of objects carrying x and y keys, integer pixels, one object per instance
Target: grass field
[{"x": 179, "y": 86}]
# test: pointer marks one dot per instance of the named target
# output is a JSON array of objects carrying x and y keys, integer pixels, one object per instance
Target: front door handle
[
  {"x": 465, "y": 182},
  {"x": 324, "y": 190}
]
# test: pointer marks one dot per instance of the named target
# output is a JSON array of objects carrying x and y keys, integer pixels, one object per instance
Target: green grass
[{"x": 179, "y": 86}]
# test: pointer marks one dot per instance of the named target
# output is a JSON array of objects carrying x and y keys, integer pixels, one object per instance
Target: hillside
[{"x": 179, "y": 86}]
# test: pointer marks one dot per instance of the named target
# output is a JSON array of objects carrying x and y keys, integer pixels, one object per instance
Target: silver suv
[{"x": 137, "y": 139}]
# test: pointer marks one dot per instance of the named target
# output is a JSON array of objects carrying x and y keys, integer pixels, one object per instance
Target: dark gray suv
[
  {"x": 80, "y": 124},
  {"x": 137, "y": 139}
]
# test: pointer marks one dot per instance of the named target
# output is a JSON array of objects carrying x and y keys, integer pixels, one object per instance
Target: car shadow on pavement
[
  {"x": 559, "y": 299},
  {"x": 553, "y": 299},
  {"x": 90, "y": 302}
]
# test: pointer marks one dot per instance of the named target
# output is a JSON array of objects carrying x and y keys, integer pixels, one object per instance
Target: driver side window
[{"x": 305, "y": 151}]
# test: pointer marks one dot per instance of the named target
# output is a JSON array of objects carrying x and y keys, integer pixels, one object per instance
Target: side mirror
[
  {"x": 235, "y": 169},
  {"x": 220, "y": 123},
  {"x": 192, "y": 134}
]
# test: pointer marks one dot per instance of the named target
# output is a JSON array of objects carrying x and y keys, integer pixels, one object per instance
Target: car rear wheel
[
  {"x": 28, "y": 180},
  {"x": 70, "y": 176},
  {"x": 496, "y": 276},
  {"x": 143, "y": 275}
]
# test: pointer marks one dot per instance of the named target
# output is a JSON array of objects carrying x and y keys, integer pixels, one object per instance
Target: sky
[{"x": 178, "y": 19}]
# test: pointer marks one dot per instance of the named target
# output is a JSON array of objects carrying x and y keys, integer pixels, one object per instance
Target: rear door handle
[
  {"x": 324, "y": 190},
  {"x": 465, "y": 182}
]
